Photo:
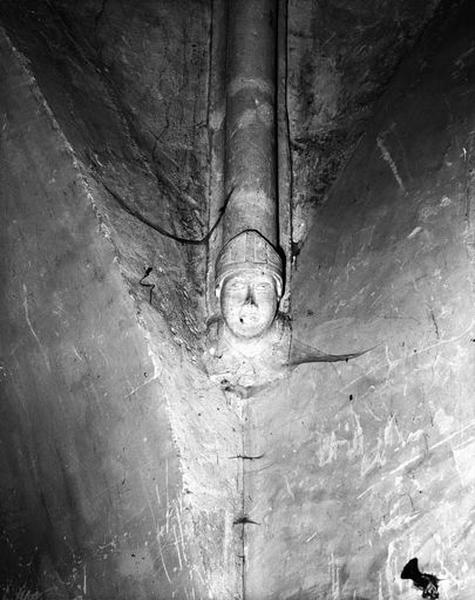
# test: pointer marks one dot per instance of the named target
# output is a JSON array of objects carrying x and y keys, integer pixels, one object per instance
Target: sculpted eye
[{"x": 237, "y": 285}]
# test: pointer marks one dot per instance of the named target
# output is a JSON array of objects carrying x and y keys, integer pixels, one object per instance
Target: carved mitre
[{"x": 249, "y": 251}]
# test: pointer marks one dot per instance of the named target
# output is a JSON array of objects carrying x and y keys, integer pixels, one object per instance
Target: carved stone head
[{"x": 249, "y": 284}]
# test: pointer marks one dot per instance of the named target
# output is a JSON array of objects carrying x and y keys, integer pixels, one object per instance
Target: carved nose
[{"x": 250, "y": 298}]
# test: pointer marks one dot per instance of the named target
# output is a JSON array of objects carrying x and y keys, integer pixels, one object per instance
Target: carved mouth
[{"x": 249, "y": 317}]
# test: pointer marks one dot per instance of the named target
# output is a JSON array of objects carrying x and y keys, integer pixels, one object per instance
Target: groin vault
[{"x": 237, "y": 329}]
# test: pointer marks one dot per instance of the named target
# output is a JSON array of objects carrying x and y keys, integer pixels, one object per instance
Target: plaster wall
[{"x": 370, "y": 463}]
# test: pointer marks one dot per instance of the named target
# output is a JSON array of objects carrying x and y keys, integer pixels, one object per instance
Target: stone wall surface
[
  {"x": 118, "y": 465},
  {"x": 128, "y": 84},
  {"x": 370, "y": 463},
  {"x": 340, "y": 57},
  {"x": 115, "y": 476}
]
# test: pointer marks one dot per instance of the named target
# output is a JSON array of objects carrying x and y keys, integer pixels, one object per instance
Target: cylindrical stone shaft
[{"x": 250, "y": 161}]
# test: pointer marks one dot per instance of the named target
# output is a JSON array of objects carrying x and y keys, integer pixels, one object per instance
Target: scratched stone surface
[
  {"x": 115, "y": 469},
  {"x": 341, "y": 55},
  {"x": 114, "y": 446},
  {"x": 128, "y": 84},
  {"x": 370, "y": 463}
]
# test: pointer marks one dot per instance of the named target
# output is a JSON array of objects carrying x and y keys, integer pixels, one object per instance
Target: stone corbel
[{"x": 252, "y": 344}]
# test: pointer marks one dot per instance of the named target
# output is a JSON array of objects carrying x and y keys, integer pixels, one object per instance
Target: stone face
[
  {"x": 249, "y": 284},
  {"x": 369, "y": 464}
]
